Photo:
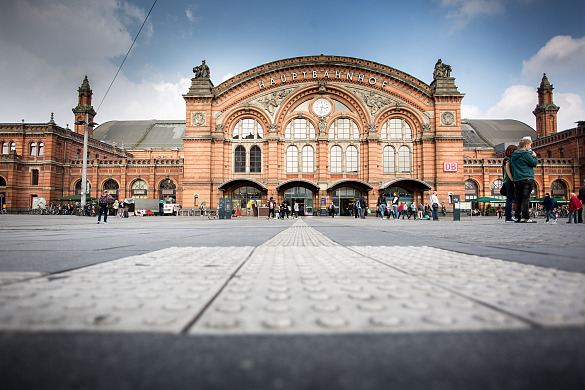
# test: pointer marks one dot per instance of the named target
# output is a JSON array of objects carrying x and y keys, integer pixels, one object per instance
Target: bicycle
[{"x": 212, "y": 215}]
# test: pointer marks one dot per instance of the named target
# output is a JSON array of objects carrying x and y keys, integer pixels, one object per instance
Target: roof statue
[
  {"x": 442, "y": 71},
  {"x": 201, "y": 71}
]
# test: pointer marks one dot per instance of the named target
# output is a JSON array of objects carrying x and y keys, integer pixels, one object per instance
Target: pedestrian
[
  {"x": 421, "y": 211},
  {"x": 581, "y": 197},
  {"x": 395, "y": 201},
  {"x": 103, "y": 205},
  {"x": 523, "y": 161},
  {"x": 271, "y": 208},
  {"x": 499, "y": 211},
  {"x": 574, "y": 206},
  {"x": 435, "y": 206},
  {"x": 332, "y": 210},
  {"x": 121, "y": 206},
  {"x": 295, "y": 209},
  {"x": 382, "y": 204},
  {"x": 359, "y": 209},
  {"x": 115, "y": 207},
  {"x": 413, "y": 209},
  {"x": 549, "y": 206},
  {"x": 402, "y": 209},
  {"x": 508, "y": 183},
  {"x": 286, "y": 209},
  {"x": 443, "y": 209}
]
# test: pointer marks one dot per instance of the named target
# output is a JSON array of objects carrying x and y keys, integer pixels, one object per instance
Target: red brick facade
[{"x": 307, "y": 128}]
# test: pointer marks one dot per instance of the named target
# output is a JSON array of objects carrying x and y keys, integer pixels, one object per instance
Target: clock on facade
[{"x": 322, "y": 106}]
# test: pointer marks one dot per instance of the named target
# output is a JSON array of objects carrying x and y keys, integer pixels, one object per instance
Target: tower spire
[
  {"x": 546, "y": 110},
  {"x": 84, "y": 106}
]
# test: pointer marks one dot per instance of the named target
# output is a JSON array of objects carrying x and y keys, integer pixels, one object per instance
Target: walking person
[
  {"x": 522, "y": 165},
  {"x": 395, "y": 201},
  {"x": 382, "y": 204},
  {"x": 574, "y": 207},
  {"x": 359, "y": 208},
  {"x": 115, "y": 207},
  {"x": 581, "y": 197},
  {"x": 549, "y": 206},
  {"x": 103, "y": 205},
  {"x": 332, "y": 210},
  {"x": 413, "y": 210},
  {"x": 508, "y": 183},
  {"x": 421, "y": 211},
  {"x": 435, "y": 206},
  {"x": 271, "y": 208}
]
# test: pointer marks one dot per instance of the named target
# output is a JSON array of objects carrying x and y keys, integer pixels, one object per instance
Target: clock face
[{"x": 322, "y": 107}]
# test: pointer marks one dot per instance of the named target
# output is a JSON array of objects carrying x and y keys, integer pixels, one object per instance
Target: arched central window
[
  {"x": 558, "y": 189},
  {"x": 342, "y": 128},
  {"x": 470, "y": 190},
  {"x": 299, "y": 129},
  {"x": 255, "y": 159},
  {"x": 139, "y": 189},
  {"x": 496, "y": 186},
  {"x": 396, "y": 129},
  {"x": 351, "y": 159},
  {"x": 292, "y": 159},
  {"x": 240, "y": 159},
  {"x": 336, "y": 158},
  {"x": 388, "y": 159},
  {"x": 404, "y": 159},
  {"x": 308, "y": 159},
  {"x": 248, "y": 129}
]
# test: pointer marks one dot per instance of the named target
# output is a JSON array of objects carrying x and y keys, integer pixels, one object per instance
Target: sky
[{"x": 498, "y": 50}]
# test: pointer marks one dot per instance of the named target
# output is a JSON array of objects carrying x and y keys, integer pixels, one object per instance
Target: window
[
  {"x": 240, "y": 159},
  {"x": 496, "y": 185},
  {"x": 396, "y": 129},
  {"x": 41, "y": 149},
  {"x": 388, "y": 159},
  {"x": 351, "y": 159},
  {"x": 255, "y": 159},
  {"x": 292, "y": 159},
  {"x": 308, "y": 158},
  {"x": 404, "y": 159},
  {"x": 33, "y": 149},
  {"x": 299, "y": 129},
  {"x": 111, "y": 186},
  {"x": 335, "y": 161},
  {"x": 13, "y": 147},
  {"x": 470, "y": 190},
  {"x": 78, "y": 153},
  {"x": 558, "y": 189},
  {"x": 343, "y": 129},
  {"x": 248, "y": 129},
  {"x": 561, "y": 153},
  {"x": 35, "y": 177},
  {"x": 4, "y": 147}
]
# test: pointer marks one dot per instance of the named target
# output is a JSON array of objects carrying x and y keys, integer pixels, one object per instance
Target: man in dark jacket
[
  {"x": 549, "y": 206},
  {"x": 582, "y": 199},
  {"x": 522, "y": 163}
]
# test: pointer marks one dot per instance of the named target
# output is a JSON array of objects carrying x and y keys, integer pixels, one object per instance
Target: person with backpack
[{"x": 103, "y": 205}]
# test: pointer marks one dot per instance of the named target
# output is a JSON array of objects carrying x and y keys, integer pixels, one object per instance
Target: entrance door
[{"x": 344, "y": 198}]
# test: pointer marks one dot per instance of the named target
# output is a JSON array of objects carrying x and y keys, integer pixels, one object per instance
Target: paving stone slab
[{"x": 161, "y": 291}]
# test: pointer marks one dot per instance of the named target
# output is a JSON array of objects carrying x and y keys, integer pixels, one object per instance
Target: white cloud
[
  {"x": 190, "y": 16},
  {"x": 464, "y": 11},
  {"x": 561, "y": 53},
  {"x": 518, "y": 102},
  {"x": 227, "y": 77}
]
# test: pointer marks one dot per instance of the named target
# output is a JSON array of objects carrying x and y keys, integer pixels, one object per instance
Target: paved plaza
[{"x": 310, "y": 303}]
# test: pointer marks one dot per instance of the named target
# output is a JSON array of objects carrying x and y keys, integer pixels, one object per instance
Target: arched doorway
[
  {"x": 558, "y": 189},
  {"x": 112, "y": 187},
  {"x": 139, "y": 189},
  {"x": 168, "y": 191},
  {"x": 78, "y": 188},
  {"x": 344, "y": 198},
  {"x": 301, "y": 195},
  {"x": 247, "y": 199}
]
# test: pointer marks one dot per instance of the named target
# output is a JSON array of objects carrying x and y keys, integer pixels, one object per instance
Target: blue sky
[{"x": 498, "y": 50}]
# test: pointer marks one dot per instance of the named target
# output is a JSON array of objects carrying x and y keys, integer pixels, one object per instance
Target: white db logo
[{"x": 450, "y": 166}]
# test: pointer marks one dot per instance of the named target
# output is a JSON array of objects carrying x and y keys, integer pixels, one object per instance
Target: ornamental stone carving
[
  {"x": 271, "y": 102},
  {"x": 374, "y": 101},
  {"x": 322, "y": 126},
  {"x": 202, "y": 71},
  {"x": 198, "y": 118},
  {"x": 219, "y": 127},
  {"x": 442, "y": 71},
  {"x": 448, "y": 118}
]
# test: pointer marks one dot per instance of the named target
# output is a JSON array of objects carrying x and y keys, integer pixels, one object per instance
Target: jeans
[
  {"x": 104, "y": 211},
  {"x": 382, "y": 210},
  {"x": 549, "y": 215},
  {"x": 435, "y": 211},
  {"x": 509, "y": 199},
  {"x": 359, "y": 212},
  {"x": 573, "y": 216},
  {"x": 523, "y": 190},
  {"x": 395, "y": 208}
]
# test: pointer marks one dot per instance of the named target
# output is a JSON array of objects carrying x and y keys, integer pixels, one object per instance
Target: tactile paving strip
[
  {"x": 162, "y": 291},
  {"x": 541, "y": 296}
]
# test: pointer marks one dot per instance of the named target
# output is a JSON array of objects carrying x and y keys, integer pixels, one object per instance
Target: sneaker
[
  {"x": 510, "y": 220},
  {"x": 554, "y": 222},
  {"x": 105, "y": 222},
  {"x": 547, "y": 222},
  {"x": 519, "y": 220},
  {"x": 529, "y": 221},
  {"x": 98, "y": 222}
]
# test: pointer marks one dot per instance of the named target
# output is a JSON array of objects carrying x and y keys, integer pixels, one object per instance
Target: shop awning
[
  {"x": 298, "y": 182},
  {"x": 241, "y": 181},
  {"x": 359, "y": 183},
  {"x": 416, "y": 183}
]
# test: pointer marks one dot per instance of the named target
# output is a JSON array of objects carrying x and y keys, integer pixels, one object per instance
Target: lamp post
[{"x": 86, "y": 123}]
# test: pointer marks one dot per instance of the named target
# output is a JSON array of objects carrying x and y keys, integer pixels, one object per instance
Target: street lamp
[{"x": 87, "y": 123}]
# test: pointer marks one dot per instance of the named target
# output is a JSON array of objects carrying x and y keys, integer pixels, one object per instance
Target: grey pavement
[{"x": 318, "y": 302}]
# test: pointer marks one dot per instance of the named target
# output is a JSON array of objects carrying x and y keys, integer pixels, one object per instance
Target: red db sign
[{"x": 450, "y": 166}]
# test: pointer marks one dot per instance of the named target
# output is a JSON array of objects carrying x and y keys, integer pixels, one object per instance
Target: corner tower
[
  {"x": 84, "y": 106},
  {"x": 546, "y": 110}
]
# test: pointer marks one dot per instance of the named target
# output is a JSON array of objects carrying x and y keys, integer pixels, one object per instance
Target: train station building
[{"x": 315, "y": 130}]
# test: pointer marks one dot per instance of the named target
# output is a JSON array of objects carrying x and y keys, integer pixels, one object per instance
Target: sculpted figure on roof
[
  {"x": 442, "y": 71},
  {"x": 201, "y": 71}
]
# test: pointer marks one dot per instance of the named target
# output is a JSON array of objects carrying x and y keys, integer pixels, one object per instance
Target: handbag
[{"x": 503, "y": 190}]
